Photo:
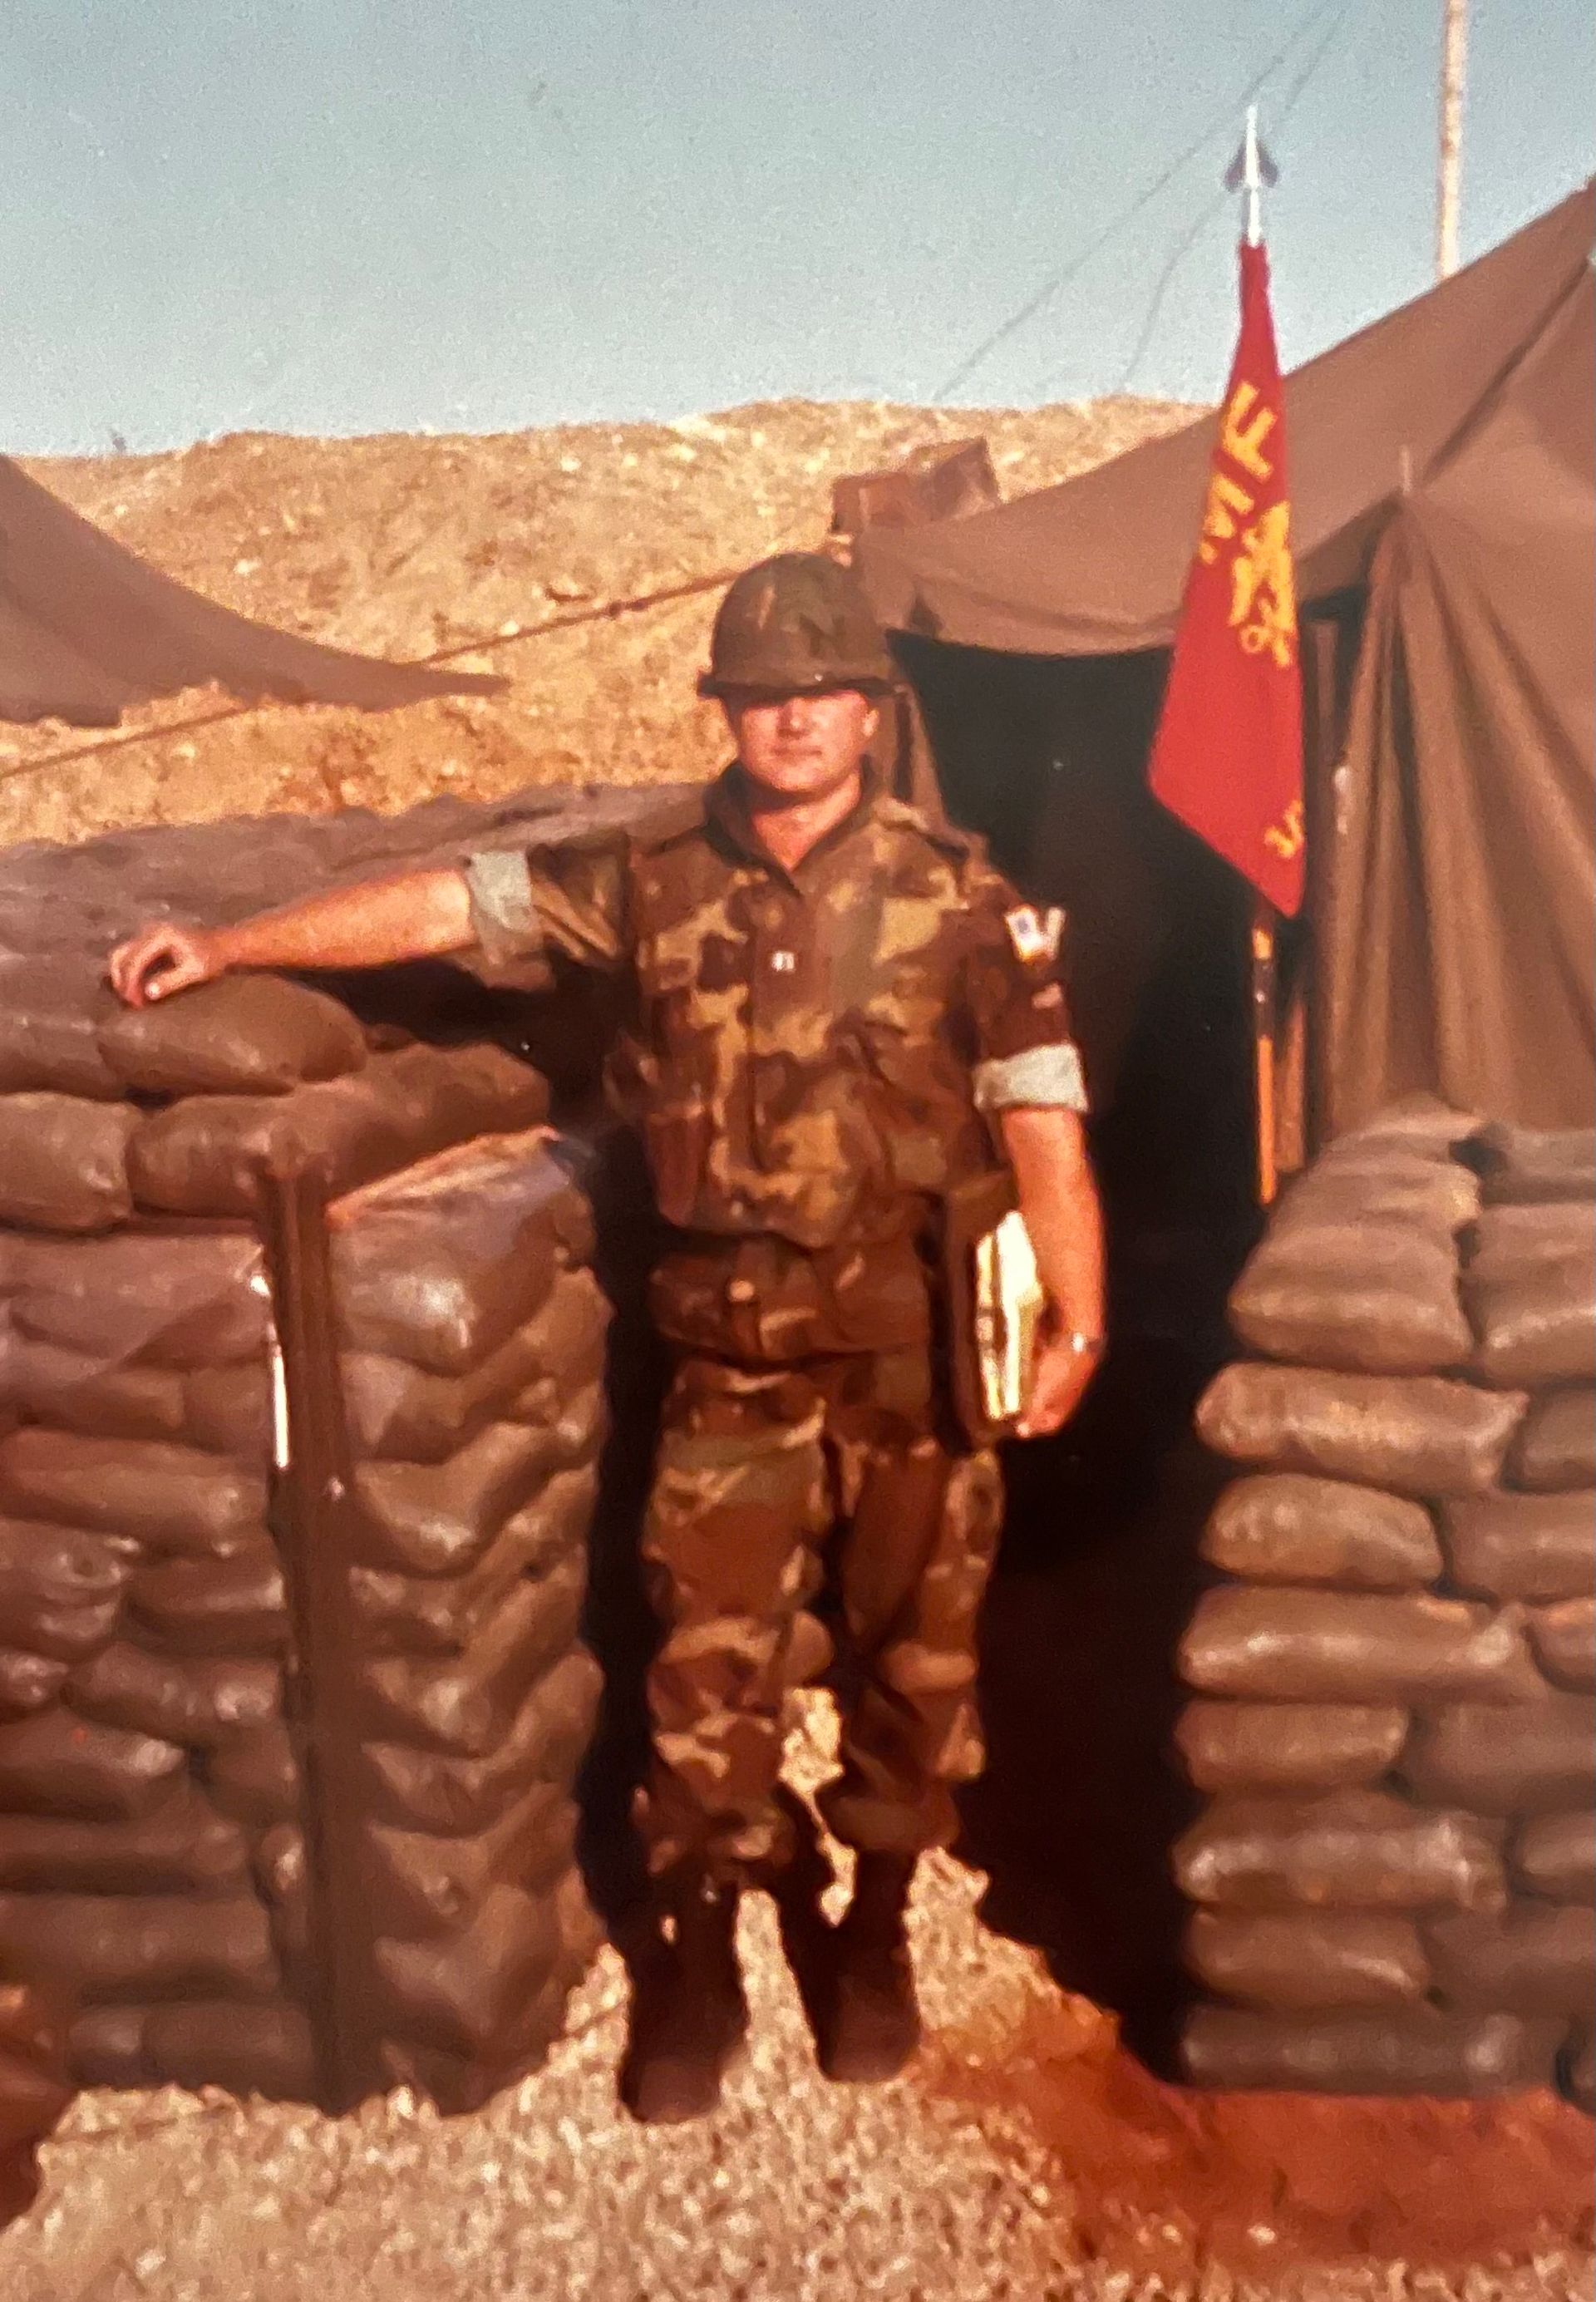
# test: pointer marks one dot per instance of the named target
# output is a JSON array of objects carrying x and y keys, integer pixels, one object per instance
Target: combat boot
[
  {"x": 689, "y": 2014},
  {"x": 868, "y": 2018}
]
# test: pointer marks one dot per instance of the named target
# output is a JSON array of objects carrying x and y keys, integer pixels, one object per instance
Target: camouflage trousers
[{"x": 773, "y": 1483}]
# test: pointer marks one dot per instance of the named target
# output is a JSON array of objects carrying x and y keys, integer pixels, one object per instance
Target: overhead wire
[
  {"x": 1213, "y": 206},
  {"x": 1076, "y": 264}
]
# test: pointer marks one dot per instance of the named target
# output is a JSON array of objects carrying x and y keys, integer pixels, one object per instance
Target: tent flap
[{"x": 87, "y": 629}]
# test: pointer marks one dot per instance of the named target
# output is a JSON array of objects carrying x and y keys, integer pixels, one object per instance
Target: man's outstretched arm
[{"x": 418, "y": 915}]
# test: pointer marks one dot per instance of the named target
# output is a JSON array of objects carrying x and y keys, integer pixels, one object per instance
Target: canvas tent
[
  {"x": 1444, "y": 513},
  {"x": 87, "y": 629}
]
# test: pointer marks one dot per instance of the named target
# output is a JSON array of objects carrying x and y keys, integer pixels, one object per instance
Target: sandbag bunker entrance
[{"x": 301, "y": 1400}]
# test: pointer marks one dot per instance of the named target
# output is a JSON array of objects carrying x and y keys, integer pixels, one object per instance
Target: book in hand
[{"x": 995, "y": 1303}]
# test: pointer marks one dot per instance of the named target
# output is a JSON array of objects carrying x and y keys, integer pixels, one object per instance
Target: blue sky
[{"x": 355, "y": 216}]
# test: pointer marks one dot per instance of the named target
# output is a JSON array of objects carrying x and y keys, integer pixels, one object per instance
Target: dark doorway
[{"x": 1076, "y": 1814}]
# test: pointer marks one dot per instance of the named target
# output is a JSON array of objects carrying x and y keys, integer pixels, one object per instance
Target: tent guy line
[
  {"x": 1077, "y": 263},
  {"x": 607, "y": 609}
]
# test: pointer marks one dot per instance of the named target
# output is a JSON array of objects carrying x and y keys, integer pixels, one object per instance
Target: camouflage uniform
[{"x": 809, "y": 1059}]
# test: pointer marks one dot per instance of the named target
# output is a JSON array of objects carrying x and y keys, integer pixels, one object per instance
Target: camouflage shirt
[{"x": 809, "y": 1052}]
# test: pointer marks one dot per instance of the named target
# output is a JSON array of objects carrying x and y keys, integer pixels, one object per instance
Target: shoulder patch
[{"x": 1037, "y": 936}]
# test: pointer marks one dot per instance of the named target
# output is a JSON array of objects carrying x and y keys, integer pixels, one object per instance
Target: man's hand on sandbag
[{"x": 163, "y": 958}]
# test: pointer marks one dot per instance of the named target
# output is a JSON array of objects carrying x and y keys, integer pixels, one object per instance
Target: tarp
[
  {"x": 1443, "y": 480},
  {"x": 1096, "y": 564},
  {"x": 87, "y": 629},
  {"x": 1463, "y": 932}
]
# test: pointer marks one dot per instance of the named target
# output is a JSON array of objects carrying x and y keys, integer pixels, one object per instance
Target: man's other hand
[
  {"x": 1059, "y": 1377},
  {"x": 163, "y": 958}
]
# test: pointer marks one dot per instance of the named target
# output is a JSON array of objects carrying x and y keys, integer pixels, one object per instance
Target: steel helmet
[{"x": 797, "y": 623}]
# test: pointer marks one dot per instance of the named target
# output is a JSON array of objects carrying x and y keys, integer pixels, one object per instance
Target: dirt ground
[
  {"x": 1024, "y": 2155},
  {"x": 400, "y": 546}
]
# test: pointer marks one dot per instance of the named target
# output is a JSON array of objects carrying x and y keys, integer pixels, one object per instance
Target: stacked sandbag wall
[
  {"x": 472, "y": 1332},
  {"x": 165, "y": 1828},
  {"x": 1393, "y": 1878}
]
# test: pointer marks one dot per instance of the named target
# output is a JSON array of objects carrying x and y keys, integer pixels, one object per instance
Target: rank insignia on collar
[{"x": 1035, "y": 936}]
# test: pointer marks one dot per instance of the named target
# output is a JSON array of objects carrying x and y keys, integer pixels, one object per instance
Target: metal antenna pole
[{"x": 1454, "y": 71}]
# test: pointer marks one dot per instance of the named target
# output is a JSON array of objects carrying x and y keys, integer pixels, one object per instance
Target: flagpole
[{"x": 1265, "y": 921}]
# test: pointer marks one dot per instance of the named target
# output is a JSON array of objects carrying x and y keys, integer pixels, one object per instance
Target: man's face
[{"x": 800, "y": 747}]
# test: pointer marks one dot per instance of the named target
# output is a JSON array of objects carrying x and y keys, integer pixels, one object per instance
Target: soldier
[{"x": 839, "y": 1010}]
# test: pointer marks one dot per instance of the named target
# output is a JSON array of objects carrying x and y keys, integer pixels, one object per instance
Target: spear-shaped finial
[{"x": 1249, "y": 171}]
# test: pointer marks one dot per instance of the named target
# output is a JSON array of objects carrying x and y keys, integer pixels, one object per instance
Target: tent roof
[
  {"x": 1097, "y": 565},
  {"x": 87, "y": 629}
]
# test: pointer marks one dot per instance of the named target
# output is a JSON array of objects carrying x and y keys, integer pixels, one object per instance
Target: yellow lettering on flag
[
  {"x": 1242, "y": 433},
  {"x": 1227, "y": 504},
  {"x": 1288, "y": 836},
  {"x": 1263, "y": 589}
]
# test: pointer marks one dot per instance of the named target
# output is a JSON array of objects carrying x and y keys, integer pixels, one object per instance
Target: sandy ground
[
  {"x": 396, "y": 545},
  {"x": 1022, "y": 2156}
]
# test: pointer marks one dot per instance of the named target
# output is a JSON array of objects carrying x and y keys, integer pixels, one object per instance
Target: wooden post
[
  {"x": 310, "y": 1514},
  {"x": 1454, "y": 67},
  {"x": 1264, "y": 1047}
]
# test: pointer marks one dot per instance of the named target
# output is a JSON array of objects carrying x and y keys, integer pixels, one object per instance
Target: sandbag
[
  {"x": 1289, "y": 1645},
  {"x": 426, "y": 1884},
  {"x": 1536, "y": 1546},
  {"x": 60, "y": 1764},
  {"x": 1286, "y": 1528},
  {"x": 63, "y": 1161},
  {"x": 463, "y": 1996},
  {"x": 1288, "y": 1746},
  {"x": 204, "y": 1155},
  {"x": 234, "y": 1606},
  {"x": 282, "y": 1879},
  {"x": 399, "y": 1410},
  {"x": 1555, "y": 1855},
  {"x": 61, "y": 1590},
  {"x": 73, "y": 1390},
  {"x": 1563, "y": 1639},
  {"x": 1536, "y": 1163},
  {"x": 1509, "y": 1242},
  {"x": 1397, "y": 2050},
  {"x": 174, "y": 1501},
  {"x": 1536, "y": 1321},
  {"x": 178, "y": 1699},
  {"x": 28, "y": 1683},
  {"x": 1308, "y": 1960},
  {"x": 266, "y": 2050},
  {"x": 254, "y": 1775},
  {"x": 1358, "y": 1850},
  {"x": 51, "y": 1009},
  {"x": 1522, "y": 1760},
  {"x": 1533, "y": 1958},
  {"x": 432, "y": 1615},
  {"x": 245, "y": 1034},
  {"x": 1420, "y": 1435},
  {"x": 228, "y": 1409},
  {"x": 171, "y": 1300},
  {"x": 455, "y": 1797},
  {"x": 179, "y": 1847},
  {"x": 1555, "y": 1451},
  {"x": 465, "y": 1704},
  {"x": 119, "y": 1946},
  {"x": 423, "y": 1519},
  {"x": 442, "y": 1264},
  {"x": 1371, "y": 1297}
]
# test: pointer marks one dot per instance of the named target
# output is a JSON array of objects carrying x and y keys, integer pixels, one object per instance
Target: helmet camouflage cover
[{"x": 797, "y": 623}]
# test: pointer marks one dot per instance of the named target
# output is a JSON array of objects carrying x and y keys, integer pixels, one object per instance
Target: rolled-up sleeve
[
  {"x": 569, "y": 899},
  {"x": 1017, "y": 1016}
]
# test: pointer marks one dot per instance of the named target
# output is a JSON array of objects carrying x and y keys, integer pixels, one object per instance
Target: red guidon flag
[{"x": 1227, "y": 758}]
